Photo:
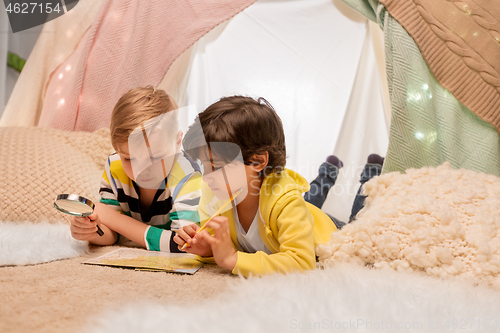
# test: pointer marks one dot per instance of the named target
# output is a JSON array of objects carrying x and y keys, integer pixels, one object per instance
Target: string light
[{"x": 467, "y": 10}]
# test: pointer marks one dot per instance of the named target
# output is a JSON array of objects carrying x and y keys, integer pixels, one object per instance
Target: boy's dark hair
[{"x": 252, "y": 125}]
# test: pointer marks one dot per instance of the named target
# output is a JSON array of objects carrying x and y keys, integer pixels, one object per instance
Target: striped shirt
[{"x": 173, "y": 206}]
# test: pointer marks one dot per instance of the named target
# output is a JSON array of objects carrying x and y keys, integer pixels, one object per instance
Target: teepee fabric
[{"x": 130, "y": 43}]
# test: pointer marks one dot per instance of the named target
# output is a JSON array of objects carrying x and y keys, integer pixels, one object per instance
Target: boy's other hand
[
  {"x": 84, "y": 228},
  {"x": 222, "y": 246},
  {"x": 196, "y": 246}
]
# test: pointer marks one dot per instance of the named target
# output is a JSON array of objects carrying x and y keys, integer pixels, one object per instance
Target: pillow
[
  {"x": 37, "y": 164},
  {"x": 437, "y": 220}
]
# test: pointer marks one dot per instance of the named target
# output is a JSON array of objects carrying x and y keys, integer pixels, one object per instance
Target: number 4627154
[{"x": 32, "y": 7}]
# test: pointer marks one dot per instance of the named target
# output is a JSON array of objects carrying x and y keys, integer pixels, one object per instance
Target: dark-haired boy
[{"x": 269, "y": 227}]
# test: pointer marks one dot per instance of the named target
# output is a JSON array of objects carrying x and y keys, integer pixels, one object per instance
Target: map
[{"x": 149, "y": 261}]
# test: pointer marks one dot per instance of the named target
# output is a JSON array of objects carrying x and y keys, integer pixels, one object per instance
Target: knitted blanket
[
  {"x": 429, "y": 125},
  {"x": 460, "y": 41}
]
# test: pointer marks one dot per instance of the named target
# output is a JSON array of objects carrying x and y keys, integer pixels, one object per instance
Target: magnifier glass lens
[{"x": 74, "y": 207}]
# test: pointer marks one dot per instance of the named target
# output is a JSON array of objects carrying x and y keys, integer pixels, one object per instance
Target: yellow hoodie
[{"x": 290, "y": 227}]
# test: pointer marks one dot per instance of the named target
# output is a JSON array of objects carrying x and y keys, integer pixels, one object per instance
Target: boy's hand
[
  {"x": 196, "y": 246},
  {"x": 223, "y": 249},
  {"x": 84, "y": 228}
]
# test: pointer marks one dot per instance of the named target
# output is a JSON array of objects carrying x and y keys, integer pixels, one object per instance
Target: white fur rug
[
  {"x": 33, "y": 243},
  {"x": 344, "y": 298}
]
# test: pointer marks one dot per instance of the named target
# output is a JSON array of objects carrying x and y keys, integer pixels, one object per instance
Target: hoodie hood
[
  {"x": 284, "y": 182},
  {"x": 277, "y": 187}
]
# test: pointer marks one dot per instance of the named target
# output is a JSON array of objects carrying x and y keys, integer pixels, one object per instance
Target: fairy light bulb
[{"x": 467, "y": 10}]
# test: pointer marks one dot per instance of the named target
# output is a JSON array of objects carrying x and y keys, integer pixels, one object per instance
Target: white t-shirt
[{"x": 249, "y": 241}]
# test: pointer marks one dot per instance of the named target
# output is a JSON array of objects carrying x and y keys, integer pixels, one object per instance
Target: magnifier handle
[{"x": 99, "y": 230}]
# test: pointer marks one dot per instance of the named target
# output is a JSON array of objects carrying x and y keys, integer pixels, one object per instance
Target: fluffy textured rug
[
  {"x": 347, "y": 298},
  {"x": 441, "y": 221},
  {"x": 28, "y": 243}
]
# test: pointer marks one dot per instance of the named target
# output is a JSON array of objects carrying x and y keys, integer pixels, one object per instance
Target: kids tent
[{"x": 314, "y": 61}]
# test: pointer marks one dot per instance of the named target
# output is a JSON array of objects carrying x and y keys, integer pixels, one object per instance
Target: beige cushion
[
  {"x": 37, "y": 164},
  {"x": 441, "y": 221}
]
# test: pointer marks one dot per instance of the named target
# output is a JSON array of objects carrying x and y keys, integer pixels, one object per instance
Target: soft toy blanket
[{"x": 441, "y": 221}]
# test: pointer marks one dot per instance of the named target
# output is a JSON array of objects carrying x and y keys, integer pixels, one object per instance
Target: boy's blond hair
[{"x": 135, "y": 108}]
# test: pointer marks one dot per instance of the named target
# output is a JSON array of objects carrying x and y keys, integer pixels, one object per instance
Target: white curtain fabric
[
  {"x": 20, "y": 43},
  {"x": 313, "y": 60},
  {"x": 365, "y": 130},
  {"x": 4, "y": 29}
]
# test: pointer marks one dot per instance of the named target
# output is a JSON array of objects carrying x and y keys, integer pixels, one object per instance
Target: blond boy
[{"x": 149, "y": 187}]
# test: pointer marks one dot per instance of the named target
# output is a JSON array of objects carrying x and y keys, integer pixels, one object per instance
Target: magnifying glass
[{"x": 75, "y": 205}]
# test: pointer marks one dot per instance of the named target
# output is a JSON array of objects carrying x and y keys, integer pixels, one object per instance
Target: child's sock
[
  {"x": 372, "y": 168},
  {"x": 334, "y": 160},
  {"x": 327, "y": 175},
  {"x": 375, "y": 159}
]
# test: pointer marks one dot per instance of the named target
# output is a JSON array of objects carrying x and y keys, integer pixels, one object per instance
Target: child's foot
[
  {"x": 334, "y": 160},
  {"x": 375, "y": 159}
]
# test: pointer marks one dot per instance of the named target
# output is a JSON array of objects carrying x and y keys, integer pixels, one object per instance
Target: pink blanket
[{"x": 131, "y": 43}]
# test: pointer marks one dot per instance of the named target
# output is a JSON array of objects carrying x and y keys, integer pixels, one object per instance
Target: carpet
[
  {"x": 63, "y": 296},
  {"x": 343, "y": 298}
]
